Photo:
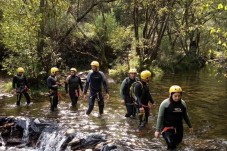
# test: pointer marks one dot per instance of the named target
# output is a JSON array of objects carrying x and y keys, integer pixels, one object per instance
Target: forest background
[{"x": 159, "y": 35}]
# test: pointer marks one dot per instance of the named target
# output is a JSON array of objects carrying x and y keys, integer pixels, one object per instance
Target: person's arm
[
  {"x": 161, "y": 112},
  {"x": 81, "y": 85},
  {"x": 26, "y": 82},
  {"x": 186, "y": 116},
  {"x": 104, "y": 82},
  {"x": 50, "y": 85},
  {"x": 138, "y": 93},
  {"x": 122, "y": 89},
  {"x": 67, "y": 85},
  {"x": 150, "y": 98},
  {"x": 14, "y": 82},
  {"x": 160, "y": 118},
  {"x": 87, "y": 83}
]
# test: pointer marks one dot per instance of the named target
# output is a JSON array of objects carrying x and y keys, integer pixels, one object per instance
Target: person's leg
[
  {"x": 72, "y": 97},
  {"x": 179, "y": 134},
  {"x": 19, "y": 95},
  {"x": 100, "y": 103},
  {"x": 28, "y": 99},
  {"x": 91, "y": 104},
  {"x": 51, "y": 103},
  {"x": 170, "y": 139},
  {"x": 55, "y": 100},
  {"x": 128, "y": 109},
  {"x": 147, "y": 113},
  {"x": 141, "y": 116}
]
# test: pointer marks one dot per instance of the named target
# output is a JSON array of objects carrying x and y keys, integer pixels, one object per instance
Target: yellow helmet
[
  {"x": 20, "y": 69},
  {"x": 175, "y": 89},
  {"x": 145, "y": 74},
  {"x": 95, "y": 63},
  {"x": 73, "y": 69},
  {"x": 132, "y": 70},
  {"x": 54, "y": 69}
]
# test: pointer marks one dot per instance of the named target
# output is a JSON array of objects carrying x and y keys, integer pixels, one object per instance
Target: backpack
[{"x": 132, "y": 90}]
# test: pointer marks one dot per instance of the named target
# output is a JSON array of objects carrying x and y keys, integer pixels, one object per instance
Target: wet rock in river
[
  {"x": 14, "y": 141},
  {"x": 70, "y": 132},
  {"x": 5, "y": 95}
]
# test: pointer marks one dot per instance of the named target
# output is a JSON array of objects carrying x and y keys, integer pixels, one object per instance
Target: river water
[{"x": 204, "y": 93}]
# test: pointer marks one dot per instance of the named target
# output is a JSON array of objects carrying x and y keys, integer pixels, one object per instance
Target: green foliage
[
  {"x": 121, "y": 34},
  {"x": 8, "y": 87}
]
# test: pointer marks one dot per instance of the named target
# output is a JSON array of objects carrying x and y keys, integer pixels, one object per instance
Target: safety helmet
[
  {"x": 54, "y": 69},
  {"x": 73, "y": 69},
  {"x": 145, "y": 74},
  {"x": 20, "y": 69},
  {"x": 175, "y": 89},
  {"x": 95, "y": 63},
  {"x": 132, "y": 70}
]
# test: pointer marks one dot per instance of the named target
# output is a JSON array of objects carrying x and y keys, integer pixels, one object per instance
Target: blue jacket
[{"x": 95, "y": 80}]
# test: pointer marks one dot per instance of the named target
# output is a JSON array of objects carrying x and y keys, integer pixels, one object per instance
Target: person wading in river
[
  {"x": 72, "y": 84},
  {"x": 143, "y": 97},
  {"x": 169, "y": 123},
  {"x": 53, "y": 85},
  {"x": 20, "y": 86},
  {"x": 127, "y": 100},
  {"x": 95, "y": 79}
]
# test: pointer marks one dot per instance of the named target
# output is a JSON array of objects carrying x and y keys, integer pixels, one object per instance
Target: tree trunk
[{"x": 41, "y": 32}]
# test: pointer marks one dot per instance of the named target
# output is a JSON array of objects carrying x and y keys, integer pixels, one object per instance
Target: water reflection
[{"x": 204, "y": 95}]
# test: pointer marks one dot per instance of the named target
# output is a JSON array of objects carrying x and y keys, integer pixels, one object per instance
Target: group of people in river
[{"x": 135, "y": 96}]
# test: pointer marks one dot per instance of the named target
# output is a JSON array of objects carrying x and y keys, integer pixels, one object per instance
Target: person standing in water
[
  {"x": 127, "y": 100},
  {"x": 53, "y": 85},
  {"x": 20, "y": 86},
  {"x": 72, "y": 84},
  {"x": 95, "y": 79},
  {"x": 171, "y": 113},
  {"x": 143, "y": 98}
]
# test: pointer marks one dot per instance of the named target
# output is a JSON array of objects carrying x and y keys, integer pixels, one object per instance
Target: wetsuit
[
  {"x": 21, "y": 85},
  {"x": 52, "y": 85},
  {"x": 143, "y": 97},
  {"x": 72, "y": 87},
  {"x": 95, "y": 79},
  {"x": 170, "y": 123},
  {"x": 125, "y": 95}
]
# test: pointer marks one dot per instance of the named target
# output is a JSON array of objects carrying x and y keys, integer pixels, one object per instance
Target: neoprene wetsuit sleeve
[
  {"x": 138, "y": 94},
  {"x": 80, "y": 83},
  {"x": 14, "y": 82},
  {"x": 104, "y": 82},
  {"x": 161, "y": 112},
  {"x": 67, "y": 84},
  {"x": 49, "y": 84},
  {"x": 26, "y": 82},
  {"x": 186, "y": 116},
  {"x": 87, "y": 82},
  {"x": 122, "y": 89},
  {"x": 151, "y": 99}
]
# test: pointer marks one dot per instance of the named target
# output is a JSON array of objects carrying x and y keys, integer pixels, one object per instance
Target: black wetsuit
[
  {"x": 53, "y": 91},
  {"x": 95, "y": 79},
  {"x": 125, "y": 95},
  {"x": 72, "y": 87},
  {"x": 21, "y": 85},
  {"x": 170, "y": 123},
  {"x": 143, "y": 97}
]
